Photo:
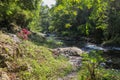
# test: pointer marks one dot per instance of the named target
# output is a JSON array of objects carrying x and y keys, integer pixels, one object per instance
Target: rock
[
  {"x": 72, "y": 53},
  {"x": 68, "y": 51},
  {"x": 15, "y": 38}
]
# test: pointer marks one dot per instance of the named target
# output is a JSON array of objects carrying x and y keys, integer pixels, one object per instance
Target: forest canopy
[
  {"x": 21, "y": 13},
  {"x": 98, "y": 19},
  {"x": 92, "y": 18}
]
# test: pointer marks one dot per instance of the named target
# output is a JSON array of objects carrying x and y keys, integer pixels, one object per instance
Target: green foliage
[
  {"x": 20, "y": 12},
  {"x": 89, "y": 14},
  {"x": 93, "y": 70},
  {"x": 92, "y": 62},
  {"x": 53, "y": 43},
  {"x": 40, "y": 39},
  {"x": 96, "y": 18},
  {"x": 30, "y": 61},
  {"x": 113, "y": 28},
  {"x": 43, "y": 65},
  {"x": 94, "y": 57},
  {"x": 67, "y": 25},
  {"x": 45, "y": 18}
]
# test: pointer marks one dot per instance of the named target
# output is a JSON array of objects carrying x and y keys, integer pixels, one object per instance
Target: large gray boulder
[{"x": 68, "y": 51}]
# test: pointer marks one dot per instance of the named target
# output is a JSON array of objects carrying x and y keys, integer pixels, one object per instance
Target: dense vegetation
[
  {"x": 16, "y": 14},
  {"x": 97, "y": 19},
  {"x": 27, "y": 54},
  {"x": 27, "y": 61}
]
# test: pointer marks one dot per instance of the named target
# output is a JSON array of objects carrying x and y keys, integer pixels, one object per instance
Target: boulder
[{"x": 68, "y": 51}]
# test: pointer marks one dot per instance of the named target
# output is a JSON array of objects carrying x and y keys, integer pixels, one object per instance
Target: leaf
[
  {"x": 75, "y": 13},
  {"x": 9, "y": 12},
  {"x": 68, "y": 25}
]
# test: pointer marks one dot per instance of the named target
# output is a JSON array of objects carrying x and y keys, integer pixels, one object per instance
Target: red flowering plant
[{"x": 24, "y": 34}]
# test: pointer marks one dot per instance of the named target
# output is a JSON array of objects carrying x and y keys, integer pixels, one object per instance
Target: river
[{"x": 111, "y": 54}]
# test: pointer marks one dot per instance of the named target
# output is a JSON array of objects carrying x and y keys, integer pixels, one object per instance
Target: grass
[
  {"x": 44, "y": 65},
  {"x": 31, "y": 61}
]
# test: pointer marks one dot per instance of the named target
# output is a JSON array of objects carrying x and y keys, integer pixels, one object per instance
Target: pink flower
[
  {"x": 25, "y": 31},
  {"x": 24, "y": 34}
]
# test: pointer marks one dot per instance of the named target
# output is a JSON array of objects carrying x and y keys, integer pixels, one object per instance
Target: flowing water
[{"x": 112, "y": 55}]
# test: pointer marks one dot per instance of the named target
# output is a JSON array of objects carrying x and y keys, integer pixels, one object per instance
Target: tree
[
  {"x": 21, "y": 13},
  {"x": 81, "y": 16},
  {"x": 44, "y": 18}
]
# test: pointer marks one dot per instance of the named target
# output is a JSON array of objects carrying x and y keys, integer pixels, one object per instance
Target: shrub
[
  {"x": 92, "y": 69},
  {"x": 24, "y": 34}
]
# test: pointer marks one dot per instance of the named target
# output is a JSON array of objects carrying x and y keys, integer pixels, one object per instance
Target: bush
[{"x": 93, "y": 69}]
